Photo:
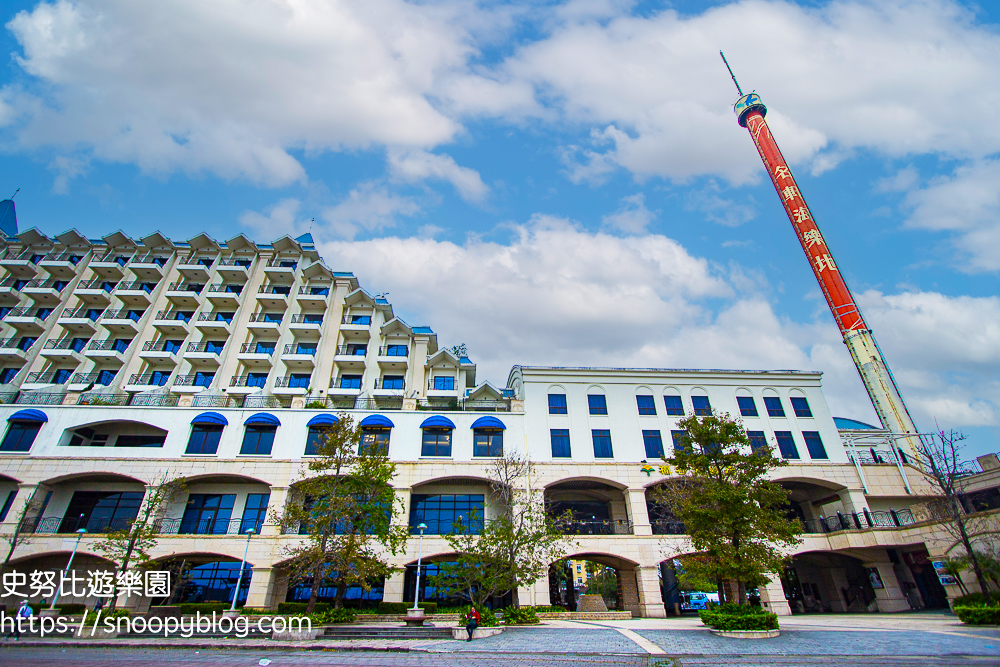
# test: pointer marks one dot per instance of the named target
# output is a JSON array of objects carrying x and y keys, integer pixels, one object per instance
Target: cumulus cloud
[
  {"x": 967, "y": 206},
  {"x": 412, "y": 166},
  {"x": 278, "y": 220},
  {"x": 632, "y": 217},
  {"x": 370, "y": 207}
]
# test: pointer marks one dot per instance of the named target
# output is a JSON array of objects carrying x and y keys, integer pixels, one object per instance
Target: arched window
[
  {"x": 318, "y": 429},
  {"x": 22, "y": 427},
  {"x": 437, "y": 436},
  {"x": 487, "y": 437},
  {"x": 206, "y": 432},
  {"x": 258, "y": 435}
]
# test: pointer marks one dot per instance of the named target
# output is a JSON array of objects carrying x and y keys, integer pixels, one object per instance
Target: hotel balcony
[
  {"x": 390, "y": 388},
  {"x": 298, "y": 356},
  {"x": 172, "y": 322},
  {"x": 193, "y": 383},
  {"x": 291, "y": 386},
  {"x": 195, "y": 269},
  {"x": 10, "y": 294},
  {"x": 265, "y": 322},
  {"x": 148, "y": 267},
  {"x": 206, "y": 353},
  {"x": 273, "y": 296},
  {"x": 184, "y": 295},
  {"x": 256, "y": 354},
  {"x": 313, "y": 297},
  {"x": 235, "y": 270},
  {"x": 159, "y": 351},
  {"x": 46, "y": 378},
  {"x": 12, "y": 353},
  {"x": 81, "y": 381},
  {"x": 83, "y": 320},
  {"x": 356, "y": 327},
  {"x": 62, "y": 265},
  {"x": 247, "y": 384},
  {"x": 393, "y": 357},
  {"x": 108, "y": 350},
  {"x": 336, "y": 390},
  {"x": 440, "y": 387},
  {"x": 147, "y": 381},
  {"x": 224, "y": 296},
  {"x": 351, "y": 357},
  {"x": 216, "y": 324},
  {"x": 136, "y": 293},
  {"x": 281, "y": 270},
  {"x": 19, "y": 264},
  {"x": 64, "y": 350},
  {"x": 26, "y": 320},
  {"x": 44, "y": 292},
  {"x": 306, "y": 325},
  {"x": 122, "y": 322},
  {"x": 109, "y": 267},
  {"x": 96, "y": 292}
]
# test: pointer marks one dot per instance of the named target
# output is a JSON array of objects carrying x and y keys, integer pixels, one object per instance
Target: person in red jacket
[{"x": 472, "y": 622}]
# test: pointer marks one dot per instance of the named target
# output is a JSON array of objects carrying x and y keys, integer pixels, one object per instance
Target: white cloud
[
  {"x": 632, "y": 217},
  {"x": 412, "y": 166},
  {"x": 370, "y": 207},
  {"x": 66, "y": 169},
  {"x": 278, "y": 220},
  {"x": 966, "y": 204},
  {"x": 716, "y": 209}
]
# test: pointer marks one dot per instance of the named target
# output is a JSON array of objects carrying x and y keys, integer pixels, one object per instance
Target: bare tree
[
  {"x": 940, "y": 459},
  {"x": 20, "y": 537}
]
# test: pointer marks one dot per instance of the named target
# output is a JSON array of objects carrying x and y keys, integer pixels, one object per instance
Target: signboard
[{"x": 943, "y": 576}]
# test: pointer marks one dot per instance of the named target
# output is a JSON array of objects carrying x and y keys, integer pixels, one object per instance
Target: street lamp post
[
  {"x": 420, "y": 553},
  {"x": 239, "y": 580},
  {"x": 79, "y": 535}
]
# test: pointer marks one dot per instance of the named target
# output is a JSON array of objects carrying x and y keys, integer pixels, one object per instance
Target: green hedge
[
  {"x": 299, "y": 608},
  {"x": 976, "y": 600},
  {"x": 71, "y": 609},
  {"x": 256, "y": 611},
  {"x": 548, "y": 609},
  {"x": 978, "y": 615},
  {"x": 333, "y": 616},
  {"x": 522, "y": 616},
  {"x": 736, "y": 617},
  {"x": 192, "y": 608},
  {"x": 487, "y": 619}
]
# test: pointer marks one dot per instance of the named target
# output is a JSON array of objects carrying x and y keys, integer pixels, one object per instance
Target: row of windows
[
  {"x": 674, "y": 406},
  {"x": 653, "y": 442}
]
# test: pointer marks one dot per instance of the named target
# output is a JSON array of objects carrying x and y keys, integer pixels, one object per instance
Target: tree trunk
[
  {"x": 317, "y": 579},
  {"x": 722, "y": 590},
  {"x": 338, "y": 599},
  {"x": 967, "y": 543}
]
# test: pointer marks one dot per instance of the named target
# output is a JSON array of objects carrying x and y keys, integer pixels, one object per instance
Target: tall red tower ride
[{"x": 858, "y": 337}]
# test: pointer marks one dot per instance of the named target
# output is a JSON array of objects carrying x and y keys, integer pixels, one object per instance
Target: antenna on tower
[
  {"x": 740, "y": 90},
  {"x": 15, "y": 194}
]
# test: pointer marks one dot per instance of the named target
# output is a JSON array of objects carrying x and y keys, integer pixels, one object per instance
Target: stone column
[
  {"x": 629, "y": 591},
  {"x": 853, "y": 500},
  {"x": 891, "y": 597},
  {"x": 276, "y": 502},
  {"x": 392, "y": 591},
  {"x": 261, "y": 593},
  {"x": 25, "y": 494},
  {"x": 772, "y": 598},
  {"x": 536, "y": 594},
  {"x": 638, "y": 512},
  {"x": 650, "y": 596},
  {"x": 402, "y": 494}
]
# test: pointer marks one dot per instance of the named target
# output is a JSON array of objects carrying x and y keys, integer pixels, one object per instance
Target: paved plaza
[{"x": 904, "y": 640}]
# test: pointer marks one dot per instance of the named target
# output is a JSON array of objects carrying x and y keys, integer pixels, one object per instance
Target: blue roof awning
[
  {"x": 210, "y": 418},
  {"x": 376, "y": 421},
  {"x": 324, "y": 419},
  {"x": 437, "y": 421},
  {"x": 262, "y": 419},
  {"x": 28, "y": 416},
  {"x": 488, "y": 422}
]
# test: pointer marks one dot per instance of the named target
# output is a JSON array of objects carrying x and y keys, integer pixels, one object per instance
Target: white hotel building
[{"x": 124, "y": 360}]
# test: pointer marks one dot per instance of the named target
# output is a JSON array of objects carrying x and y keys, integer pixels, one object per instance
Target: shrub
[
  {"x": 71, "y": 609},
  {"x": 256, "y": 611},
  {"x": 487, "y": 619},
  {"x": 117, "y": 613},
  {"x": 315, "y": 405},
  {"x": 299, "y": 608},
  {"x": 736, "y": 617},
  {"x": 976, "y": 600},
  {"x": 548, "y": 609},
  {"x": 192, "y": 608},
  {"x": 329, "y": 616},
  {"x": 522, "y": 616},
  {"x": 978, "y": 615}
]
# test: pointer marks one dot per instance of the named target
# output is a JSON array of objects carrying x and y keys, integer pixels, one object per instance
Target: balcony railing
[
  {"x": 99, "y": 399},
  {"x": 208, "y": 526},
  {"x": 266, "y": 317},
  {"x": 292, "y": 348},
  {"x": 47, "y": 377},
  {"x": 215, "y": 317},
  {"x": 221, "y": 288},
  {"x": 159, "y": 346},
  {"x": 252, "y": 348},
  {"x": 185, "y": 287},
  {"x": 394, "y": 385},
  {"x": 281, "y": 263},
  {"x": 150, "y": 379},
  {"x": 173, "y": 316},
  {"x": 277, "y": 290},
  {"x": 123, "y": 314},
  {"x": 57, "y": 285},
  {"x": 11, "y": 343},
  {"x": 668, "y": 527},
  {"x": 465, "y": 405},
  {"x": 99, "y": 283},
  {"x": 609, "y": 527},
  {"x": 194, "y": 380},
  {"x": 65, "y": 344},
  {"x": 301, "y": 318},
  {"x": 85, "y": 378},
  {"x": 393, "y": 351},
  {"x": 379, "y": 403},
  {"x": 292, "y": 383},
  {"x": 109, "y": 345},
  {"x": 196, "y": 260},
  {"x": 351, "y": 351},
  {"x": 149, "y": 259},
  {"x": 92, "y": 314},
  {"x": 213, "y": 401},
  {"x": 39, "y": 398},
  {"x": 213, "y": 348},
  {"x": 136, "y": 286},
  {"x": 55, "y": 525},
  {"x": 261, "y": 401},
  {"x": 155, "y": 400},
  {"x": 247, "y": 381},
  {"x": 864, "y": 520},
  {"x": 323, "y": 291},
  {"x": 236, "y": 261}
]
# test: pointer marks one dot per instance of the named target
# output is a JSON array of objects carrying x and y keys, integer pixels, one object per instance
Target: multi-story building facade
[{"x": 126, "y": 363}]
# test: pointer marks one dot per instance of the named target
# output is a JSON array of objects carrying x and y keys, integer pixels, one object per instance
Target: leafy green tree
[
  {"x": 131, "y": 544},
  {"x": 733, "y": 514},
  {"x": 514, "y": 548},
  {"x": 347, "y": 515}
]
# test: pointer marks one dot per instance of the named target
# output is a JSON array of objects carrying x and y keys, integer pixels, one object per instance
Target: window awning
[
  {"x": 262, "y": 419},
  {"x": 28, "y": 416},
  {"x": 488, "y": 422},
  {"x": 210, "y": 418},
  {"x": 437, "y": 421},
  {"x": 376, "y": 421},
  {"x": 324, "y": 419}
]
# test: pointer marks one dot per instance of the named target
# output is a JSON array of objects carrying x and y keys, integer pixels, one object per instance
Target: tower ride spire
[{"x": 868, "y": 359}]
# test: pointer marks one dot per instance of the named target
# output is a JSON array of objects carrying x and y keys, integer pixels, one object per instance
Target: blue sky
[{"x": 553, "y": 183}]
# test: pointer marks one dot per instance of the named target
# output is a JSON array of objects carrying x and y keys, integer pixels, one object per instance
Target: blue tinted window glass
[
  {"x": 815, "y": 445},
  {"x": 646, "y": 405},
  {"x": 773, "y": 405},
  {"x": 557, "y": 404},
  {"x": 440, "y": 513},
  {"x": 786, "y": 445},
  {"x": 598, "y": 404},
  {"x": 602, "y": 444},
  {"x": 758, "y": 441},
  {"x": 560, "y": 443},
  {"x": 701, "y": 406},
  {"x": 653, "y": 443},
  {"x": 801, "y": 406},
  {"x": 747, "y": 406},
  {"x": 673, "y": 405}
]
